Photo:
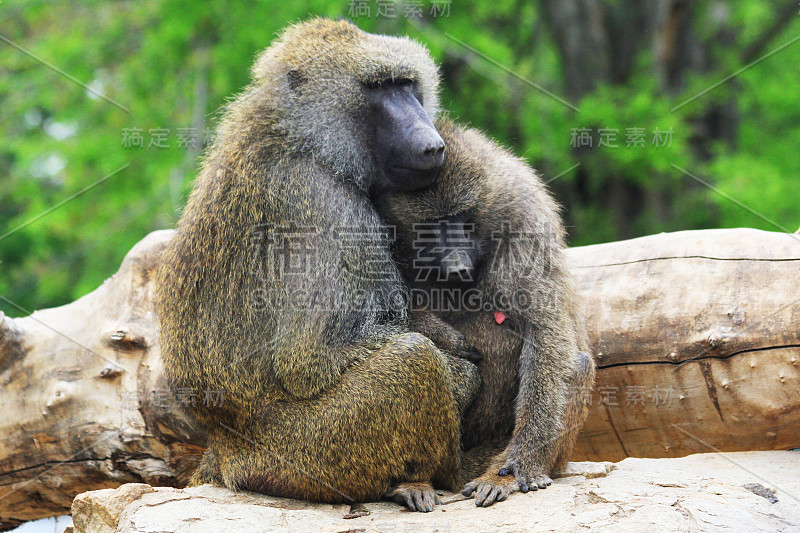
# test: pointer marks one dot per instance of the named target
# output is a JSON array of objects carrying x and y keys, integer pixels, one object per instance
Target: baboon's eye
[
  {"x": 374, "y": 84},
  {"x": 295, "y": 79},
  {"x": 397, "y": 82}
]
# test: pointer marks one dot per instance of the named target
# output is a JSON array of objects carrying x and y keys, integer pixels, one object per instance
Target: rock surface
[{"x": 745, "y": 491}]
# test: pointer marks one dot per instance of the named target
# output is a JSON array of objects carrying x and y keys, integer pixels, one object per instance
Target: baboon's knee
[
  {"x": 422, "y": 359},
  {"x": 412, "y": 342},
  {"x": 413, "y": 350}
]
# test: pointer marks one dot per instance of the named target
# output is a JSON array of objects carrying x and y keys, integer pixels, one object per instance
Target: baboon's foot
[
  {"x": 527, "y": 478},
  {"x": 417, "y": 496},
  {"x": 490, "y": 488}
]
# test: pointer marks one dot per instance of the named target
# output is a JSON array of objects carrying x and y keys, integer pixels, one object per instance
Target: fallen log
[
  {"x": 84, "y": 401},
  {"x": 695, "y": 335}
]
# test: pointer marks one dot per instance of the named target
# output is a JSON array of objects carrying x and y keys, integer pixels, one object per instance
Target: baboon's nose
[
  {"x": 458, "y": 274},
  {"x": 457, "y": 267},
  {"x": 433, "y": 154}
]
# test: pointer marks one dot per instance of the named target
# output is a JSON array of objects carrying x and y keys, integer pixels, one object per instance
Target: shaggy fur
[
  {"x": 326, "y": 396},
  {"x": 537, "y": 373}
]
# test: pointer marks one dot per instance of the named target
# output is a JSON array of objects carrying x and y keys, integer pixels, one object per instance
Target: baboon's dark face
[
  {"x": 408, "y": 150},
  {"x": 434, "y": 244},
  {"x": 444, "y": 251}
]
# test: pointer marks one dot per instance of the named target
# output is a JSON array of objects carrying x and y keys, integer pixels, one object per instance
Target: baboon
[
  {"x": 481, "y": 250},
  {"x": 279, "y": 289}
]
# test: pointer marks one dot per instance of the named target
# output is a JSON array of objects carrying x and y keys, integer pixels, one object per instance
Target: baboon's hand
[
  {"x": 529, "y": 477},
  {"x": 490, "y": 488},
  {"x": 463, "y": 349},
  {"x": 444, "y": 336},
  {"x": 418, "y": 496}
]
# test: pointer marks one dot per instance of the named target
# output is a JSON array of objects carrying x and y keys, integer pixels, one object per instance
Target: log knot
[{"x": 124, "y": 339}]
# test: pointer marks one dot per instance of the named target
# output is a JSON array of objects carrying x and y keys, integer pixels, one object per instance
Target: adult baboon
[
  {"x": 279, "y": 290},
  {"x": 482, "y": 252}
]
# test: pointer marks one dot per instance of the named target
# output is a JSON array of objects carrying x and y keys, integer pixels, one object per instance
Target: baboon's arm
[
  {"x": 444, "y": 336},
  {"x": 544, "y": 369}
]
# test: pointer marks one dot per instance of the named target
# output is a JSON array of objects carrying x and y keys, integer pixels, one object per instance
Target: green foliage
[{"x": 171, "y": 64}]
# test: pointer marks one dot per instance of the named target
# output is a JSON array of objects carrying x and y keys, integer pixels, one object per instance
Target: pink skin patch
[{"x": 499, "y": 317}]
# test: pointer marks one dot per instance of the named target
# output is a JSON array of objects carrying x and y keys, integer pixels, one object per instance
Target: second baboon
[{"x": 482, "y": 252}]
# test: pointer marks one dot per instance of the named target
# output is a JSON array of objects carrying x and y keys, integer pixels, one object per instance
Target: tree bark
[{"x": 695, "y": 335}]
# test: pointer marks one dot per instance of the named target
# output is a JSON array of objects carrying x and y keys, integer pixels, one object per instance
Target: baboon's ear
[{"x": 295, "y": 79}]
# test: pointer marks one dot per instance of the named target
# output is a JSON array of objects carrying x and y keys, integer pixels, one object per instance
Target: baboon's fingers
[
  {"x": 469, "y": 488},
  {"x": 408, "y": 501},
  {"x": 490, "y": 488},
  {"x": 429, "y": 498},
  {"x": 542, "y": 481},
  {"x": 502, "y": 493},
  {"x": 417, "y": 496},
  {"x": 494, "y": 496},
  {"x": 482, "y": 494},
  {"x": 420, "y": 503}
]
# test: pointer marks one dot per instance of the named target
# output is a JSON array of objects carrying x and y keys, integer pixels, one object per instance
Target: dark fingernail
[
  {"x": 503, "y": 472},
  {"x": 523, "y": 488}
]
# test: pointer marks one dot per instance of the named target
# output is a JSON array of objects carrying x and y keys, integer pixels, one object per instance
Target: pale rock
[{"x": 703, "y": 492}]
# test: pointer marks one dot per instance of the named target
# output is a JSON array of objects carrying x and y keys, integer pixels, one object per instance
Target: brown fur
[
  {"x": 331, "y": 403},
  {"x": 536, "y": 379}
]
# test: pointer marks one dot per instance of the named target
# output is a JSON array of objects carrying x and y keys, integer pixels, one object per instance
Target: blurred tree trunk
[
  {"x": 579, "y": 31},
  {"x": 600, "y": 42}
]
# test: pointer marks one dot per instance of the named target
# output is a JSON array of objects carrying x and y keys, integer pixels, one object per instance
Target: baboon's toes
[{"x": 418, "y": 497}]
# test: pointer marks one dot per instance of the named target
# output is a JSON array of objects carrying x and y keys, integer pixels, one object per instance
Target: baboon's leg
[
  {"x": 481, "y": 464},
  {"x": 207, "y": 471},
  {"x": 491, "y": 415},
  {"x": 421, "y": 496},
  {"x": 392, "y": 418}
]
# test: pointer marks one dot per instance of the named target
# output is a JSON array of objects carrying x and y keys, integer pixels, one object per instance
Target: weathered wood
[
  {"x": 83, "y": 398},
  {"x": 695, "y": 335}
]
